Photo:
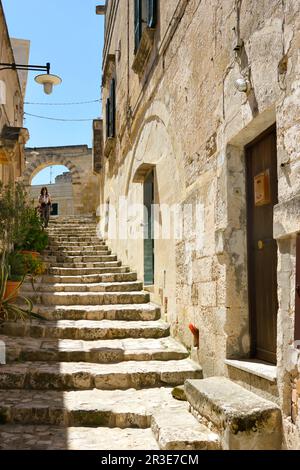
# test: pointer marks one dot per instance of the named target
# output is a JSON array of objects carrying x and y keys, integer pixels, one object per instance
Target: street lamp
[{"x": 47, "y": 80}]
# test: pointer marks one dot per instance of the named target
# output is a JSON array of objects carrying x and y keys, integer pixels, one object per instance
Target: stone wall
[
  {"x": 184, "y": 117},
  {"x": 12, "y": 135}
]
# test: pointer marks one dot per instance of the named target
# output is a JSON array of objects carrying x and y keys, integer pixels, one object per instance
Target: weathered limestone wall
[
  {"x": 78, "y": 159},
  {"x": 11, "y": 109},
  {"x": 185, "y": 117}
]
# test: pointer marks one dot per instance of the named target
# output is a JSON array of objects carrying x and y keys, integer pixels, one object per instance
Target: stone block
[{"x": 243, "y": 420}]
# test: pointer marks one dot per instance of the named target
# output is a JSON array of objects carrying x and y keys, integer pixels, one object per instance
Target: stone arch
[
  {"x": 78, "y": 159},
  {"x": 34, "y": 167}
]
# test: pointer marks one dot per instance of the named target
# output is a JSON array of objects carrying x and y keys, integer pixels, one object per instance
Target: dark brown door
[{"x": 262, "y": 195}]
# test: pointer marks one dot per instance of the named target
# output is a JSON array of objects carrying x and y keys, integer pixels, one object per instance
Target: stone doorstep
[
  {"x": 255, "y": 367},
  {"x": 114, "y": 409},
  {"x": 243, "y": 420},
  {"x": 97, "y": 351},
  {"x": 87, "y": 330},
  {"x": 16, "y": 437},
  {"x": 86, "y": 376},
  {"x": 177, "y": 429},
  {"x": 89, "y": 298},
  {"x": 136, "y": 312},
  {"x": 125, "y": 286}
]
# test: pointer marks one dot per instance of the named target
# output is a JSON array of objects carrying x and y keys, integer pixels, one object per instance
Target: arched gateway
[{"x": 79, "y": 161}]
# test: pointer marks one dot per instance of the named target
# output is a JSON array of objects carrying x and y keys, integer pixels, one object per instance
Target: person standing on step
[{"x": 45, "y": 206}]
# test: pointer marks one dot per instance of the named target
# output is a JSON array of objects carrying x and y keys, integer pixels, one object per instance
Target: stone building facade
[
  {"x": 201, "y": 113},
  {"x": 13, "y": 136},
  {"x": 82, "y": 195}
]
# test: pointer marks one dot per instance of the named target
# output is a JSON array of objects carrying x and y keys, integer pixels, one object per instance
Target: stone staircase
[{"x": 98, "y": 372}]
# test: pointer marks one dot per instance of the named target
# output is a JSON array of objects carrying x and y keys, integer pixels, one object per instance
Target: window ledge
[
  {"x": 144, "y": 50},
  {"x": 110, "y": 146},
  {"x": 255, "y": 367}
]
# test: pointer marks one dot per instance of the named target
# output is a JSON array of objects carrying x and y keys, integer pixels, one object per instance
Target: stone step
[
  {"x": 78, "y": 253},
  {"x": 136, "y": 312},
  {"x": 85, "y": 376},
  {"x": 87, "y": 287},
  {"x": 78, "y": 245},
  {"x": 177, "y": 429},
  {"x": 86, "y": 259},
  {"x": 98, "y": 352},
  {"x": 101, "y": 264},
  {"x": 73, "y": 226},
  {"x": 113, "y": 409},
  {"x": 73, "y": 230},
  {"x": 243, "y": 420},
  {"x": 91, "y": 278},
  {"x": 18, "y": 437},
  {"x": 114, "y": 269},
  {"x": 87, "y": 329},
  {"x": 75, "y": 239},
  {"x": 91, "y": 298}
]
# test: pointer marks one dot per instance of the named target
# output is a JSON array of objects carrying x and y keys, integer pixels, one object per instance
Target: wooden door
[
  {"x": 148, "y": 230},
  {"x": 262, "y": 195}
]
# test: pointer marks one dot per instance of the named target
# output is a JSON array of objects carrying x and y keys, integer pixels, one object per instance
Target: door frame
[{"x": 251, "y": 286}]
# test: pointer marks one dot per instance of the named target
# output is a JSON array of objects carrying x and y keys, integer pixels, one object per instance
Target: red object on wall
[{"x": 195, "y": 332}]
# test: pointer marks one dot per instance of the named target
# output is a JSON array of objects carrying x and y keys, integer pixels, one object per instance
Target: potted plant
[
  {"x": 20, "y": 226},
  {"x": 35, "y": 238},
  {"x": 9, "y": 309},
  {"x": 16, "y": 272},
  {"x": 33, "y": 267}
]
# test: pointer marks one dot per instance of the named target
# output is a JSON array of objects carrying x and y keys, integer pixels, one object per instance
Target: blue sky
[{"x": 69, "y": 35}]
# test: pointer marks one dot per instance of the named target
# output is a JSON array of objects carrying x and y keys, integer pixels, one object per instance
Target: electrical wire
[
  {"x": 58, "y": 119},
  {"x": 63, "y": 104}
]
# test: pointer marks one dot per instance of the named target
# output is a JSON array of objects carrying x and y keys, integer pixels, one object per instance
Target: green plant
[
  {"x": 34, "y": 267},
  {"x": 20, "y": 224},
  {"x": 35, "y": 238},
  {"x": 14, "y": 211},
  {"x": 9, "y": 309},
  {"x": 17, "y": 269}
]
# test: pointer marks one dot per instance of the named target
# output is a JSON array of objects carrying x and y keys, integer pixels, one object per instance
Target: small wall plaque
[{"x": 262, "y": 193}]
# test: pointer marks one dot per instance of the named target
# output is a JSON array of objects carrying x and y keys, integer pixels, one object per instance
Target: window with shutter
[
  {"x": 112, "y": 109},
  {"x": 137, "y": 23},
  {"x": 152, "y": 13},
  {"x": 107, "y": 118},
  {"x": 145, "y": 15}
]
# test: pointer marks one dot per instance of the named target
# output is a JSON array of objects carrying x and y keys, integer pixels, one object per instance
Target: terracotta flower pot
[{"x": 12, "y": 287}]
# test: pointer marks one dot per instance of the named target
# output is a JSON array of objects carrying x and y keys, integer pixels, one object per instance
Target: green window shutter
[
  {"x": 107, "y": 116},
  {"x": 152, "y": 13},
  {"x": 112, "y": 108},
  {"x": 137, "y": 23}
]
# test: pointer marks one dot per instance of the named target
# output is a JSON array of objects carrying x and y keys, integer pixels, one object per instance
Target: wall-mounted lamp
[
  {"x": 47, "y": 79},
  {"x": 242, "y": 85}
]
